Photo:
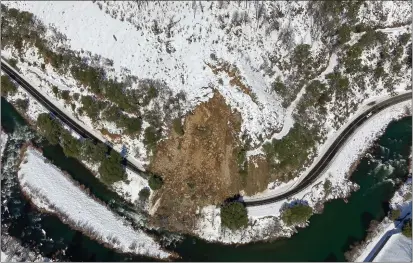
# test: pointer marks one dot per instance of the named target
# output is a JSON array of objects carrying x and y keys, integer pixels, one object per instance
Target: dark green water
[
  {"x": 329, "y": 234},
  {"x": 26, "y": 223},
  {"x": 326, "y": 239}
]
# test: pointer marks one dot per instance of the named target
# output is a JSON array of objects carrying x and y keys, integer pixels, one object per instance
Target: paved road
[
  {"x": 312, "y": 175},
  {"x": 331, "y": 152},
  {"x": 61, "y": 115}
]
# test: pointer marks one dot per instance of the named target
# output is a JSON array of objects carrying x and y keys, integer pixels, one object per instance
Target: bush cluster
[
  {"x": 234, "y": 215},
  {"x": 110, "y": 169},
  {"x": 7, "y": 86},
  {"x": 407, "y": 228},
  {"x": 297, "y": 214},
  {"x": 155, "y": 182}
]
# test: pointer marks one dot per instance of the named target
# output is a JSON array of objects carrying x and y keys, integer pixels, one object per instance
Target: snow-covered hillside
[
  {"x": 181, "y": 43},
  {"x": 296, "y": 72}
]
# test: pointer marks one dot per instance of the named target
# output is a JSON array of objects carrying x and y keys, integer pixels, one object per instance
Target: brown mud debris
[{"x": 199, "y": 167}]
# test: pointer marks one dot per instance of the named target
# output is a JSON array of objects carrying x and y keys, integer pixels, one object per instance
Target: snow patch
[{"x": 48, "y": 186}]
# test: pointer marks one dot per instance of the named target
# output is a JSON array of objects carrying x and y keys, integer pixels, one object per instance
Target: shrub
[
  {"x": 152, "y": 93},
  {"x": 151, "y": 137},
  {"x": 297, "y": 214},
  {"x": 55, "y": 91},
  {"x": 177, "y": 125},
  {"x": 234, "y": 215},
  {"x": 76, "y": 96},
  {"x": 13, "y": 63},
  {"x": 144, "y": 194},
  {"x": 22, "y": 104},
  {"x": 91, "y": 106},
  {"x": 65, "y": 95},
  {"x": 71, "y": 146},
  {"x": 50, "y": 128},
  {"x": 327, "y": 186},
  {"x": 407, "y": 228},
  {"x": 7, "y": 86},
  {"x": 93, "y": 152},
  {"x": 394, "y": 214},
  {"x": 404, "y": 38},
  {"x": 155, "y": 182},
  {"x": 131, "y": 125},
  {"x": 111, "y": 169},
  {"x": 344, "y": 34}
]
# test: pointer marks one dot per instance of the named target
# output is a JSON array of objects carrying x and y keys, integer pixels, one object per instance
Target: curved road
[
  {"x": 312, "y": 175},
  {"x": 334, "y": 148}
]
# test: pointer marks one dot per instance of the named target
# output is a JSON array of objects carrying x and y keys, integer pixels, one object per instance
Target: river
[{"x": 327, "y": 237}]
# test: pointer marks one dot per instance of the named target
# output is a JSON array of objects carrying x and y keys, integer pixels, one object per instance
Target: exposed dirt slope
[{"x": 200, "y": 167}]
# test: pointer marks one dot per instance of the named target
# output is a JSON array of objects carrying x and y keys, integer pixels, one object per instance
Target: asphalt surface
[
  {"x": 312, "y": 175},
  {"x": 59, "y": 114},
  {"x": 331, "y": 152}
]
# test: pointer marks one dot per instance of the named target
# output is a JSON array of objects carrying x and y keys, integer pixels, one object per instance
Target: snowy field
[
  {"x": 49, "y": 188},
  {"x": 262, "y": 217},
  {"x": 397, "y": 249}
]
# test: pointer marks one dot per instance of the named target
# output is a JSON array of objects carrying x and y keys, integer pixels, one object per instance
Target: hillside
[{"x": 216, "y": 98}]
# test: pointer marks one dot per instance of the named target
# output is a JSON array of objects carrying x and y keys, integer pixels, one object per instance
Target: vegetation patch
[
  {"x": 407, "y": 228},
  {"x": 155, "y": 182},
  {"x": 112, "y": 97},
  {"x": 144, "y": 194},
  {"x": 110, "y": 165},
  {"x": 177, "y": 126},
  {"x": 7, "y": 86},
  {"x": 395, "y": 214},
  {"x": 234, "y": 215},
  {"x": 296, "y": 214},
  {"x": 111, "y": 169}
]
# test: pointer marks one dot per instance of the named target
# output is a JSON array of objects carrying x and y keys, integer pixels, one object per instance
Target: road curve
[
  {"x": 61, "y": 115},
  {"x": 331, "y": 152},
  {"x": 312, "y": 175}
]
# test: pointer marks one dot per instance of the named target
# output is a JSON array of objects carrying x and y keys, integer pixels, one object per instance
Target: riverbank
[
  {"x": 401, "y": 200},
  {"x": 50, "y": 189},
  {"x": 334, "y": 183},
  {"x": 128, "y": 189}
]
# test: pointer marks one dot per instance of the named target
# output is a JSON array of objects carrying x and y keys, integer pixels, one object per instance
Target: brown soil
[
  {"x": 116, "y": 138},
  {"x": 198, "y": 168},
  {"x": 233, "y": 73},
  {"x": 258, "y": 175}
]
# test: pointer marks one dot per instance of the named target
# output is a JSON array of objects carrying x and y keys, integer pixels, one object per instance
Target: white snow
[
  {"x": 263, "y": 217},
  {"x": 397, "y": 249},
  {"x": 337, "y": 171},
  {"x": 47, "y": 185},
  {"x": 144, "y": 52},
  {"x": 358, "y": 144},
  {"x": 130, "y": 189},
  {"x": 3, "y": 141},
  {"x": 209, "y": 228}
]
